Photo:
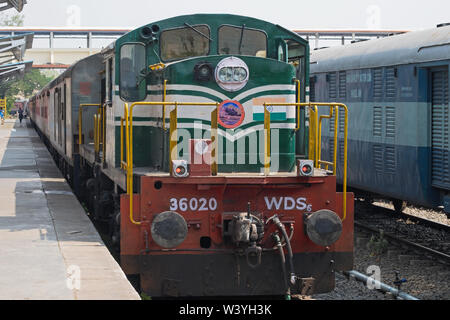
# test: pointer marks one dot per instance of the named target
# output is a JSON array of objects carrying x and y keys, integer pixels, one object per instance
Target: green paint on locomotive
[{"x": 268, "y": 77}]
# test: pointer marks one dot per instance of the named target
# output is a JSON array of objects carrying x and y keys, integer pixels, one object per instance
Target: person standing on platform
[
  {"x": 20, "y": 115},
  {"x": 2, "y": 115}
]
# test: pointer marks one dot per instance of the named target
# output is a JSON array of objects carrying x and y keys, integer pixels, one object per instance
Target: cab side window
[{"x": 132, "y": 72}]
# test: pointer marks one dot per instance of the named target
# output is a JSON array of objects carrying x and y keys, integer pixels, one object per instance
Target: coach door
[
  {"x": 63, "y": 118},
  {"x": 440, "y": 129},
  {"x": 57, "y": 112}
]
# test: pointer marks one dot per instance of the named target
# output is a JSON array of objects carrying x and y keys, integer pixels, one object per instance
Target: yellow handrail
[
  {"x": 99, "y": 127},
  {"x": 95, "y": 132},
  {"x": 214, "y": 142},
  {"x": 80, "y": 118},
  {"x": 129, "y": 178},
  {"x": 121, "y": 143},
  {"x": 316, "y": 130},
  {"x": 164, "y": 107},
  {"x": 320, "y": 139},
  {"x": 336, "y": 121},
  {"x": 172, "y": 140},
  {"x": 267, "y": 150},
  {"x": 298, "y": 109},
  {"x": 128, "y": 114}
]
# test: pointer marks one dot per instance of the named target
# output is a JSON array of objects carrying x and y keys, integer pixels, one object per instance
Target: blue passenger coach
[{"x": 396, "y": 89}]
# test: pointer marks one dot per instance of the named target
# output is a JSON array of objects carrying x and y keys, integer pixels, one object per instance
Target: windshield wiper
[
  {"x": 242, "y": 37},
  {"x": 200, "y": 33}
]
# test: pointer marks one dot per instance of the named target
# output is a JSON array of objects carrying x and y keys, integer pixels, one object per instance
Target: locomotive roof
[{"x": 412, "y": 47}]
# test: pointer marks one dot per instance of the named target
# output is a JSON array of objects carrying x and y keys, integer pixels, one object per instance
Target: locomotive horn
[{"x": 147, "y": 34}]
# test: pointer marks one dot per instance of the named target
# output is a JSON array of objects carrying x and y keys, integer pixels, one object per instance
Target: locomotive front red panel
[{"x": 210, "y": 205}]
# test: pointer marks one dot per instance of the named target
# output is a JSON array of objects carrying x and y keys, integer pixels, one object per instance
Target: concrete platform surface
[{"x": 49, "y": 249}]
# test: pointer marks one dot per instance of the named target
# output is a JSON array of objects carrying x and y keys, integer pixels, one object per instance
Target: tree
[
  {"x": 32, "y": 82},
  {"x": 15, "y": 20}
]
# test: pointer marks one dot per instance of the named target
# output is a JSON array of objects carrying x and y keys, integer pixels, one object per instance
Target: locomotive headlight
[
  {"x": 169, "y": 229},
  {"x": 229, "y": 77},
  {"x": 232, "y": 74},
  {"x": 223, "y": 75},
  {"x": 323, "y": 227},
  {"x": 239, "y": 74}
]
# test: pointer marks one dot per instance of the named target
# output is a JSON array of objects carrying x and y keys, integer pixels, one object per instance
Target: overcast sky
[{"x": 292, "y": 14}]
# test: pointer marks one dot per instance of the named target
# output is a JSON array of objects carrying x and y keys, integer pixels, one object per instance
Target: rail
[{"x": 315, "y": 137}]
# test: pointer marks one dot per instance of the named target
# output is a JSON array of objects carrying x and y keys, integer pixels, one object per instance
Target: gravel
[
  {"x": 426, "y": 279},
  {"x": 433, "y": 215}
]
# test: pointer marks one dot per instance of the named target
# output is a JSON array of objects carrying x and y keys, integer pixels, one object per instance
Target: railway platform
[{"x": 49, "y": 249}]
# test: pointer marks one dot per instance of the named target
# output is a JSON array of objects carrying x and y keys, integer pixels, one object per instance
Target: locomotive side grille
[
  {"x": 331, "y": 148},
  {"x": 341, "y": 120},
  {"x": 378, "y": 83},
  {"x": 332, "y": 85},
  {"x": 377, "y": 121},
  {"x": 332, "y": 120},
  {"x": 391, "y": 84},
  {"x": 440, "y": 130},
  {"x": 341, "y": 151},
  {"x": 343, "y": 84},
  {"x": 390, "y": 122}
]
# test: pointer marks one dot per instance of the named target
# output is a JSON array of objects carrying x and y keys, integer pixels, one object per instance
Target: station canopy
[
  {"x": 13, "y": 47},
  {"x": 8, "y": 4},
  {"x": 14, "y": 71}
]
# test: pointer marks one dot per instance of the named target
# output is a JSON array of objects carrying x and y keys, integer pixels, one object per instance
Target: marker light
[
  {"x": 180, "y": 168},
  {"x": 305, "y": 168}
]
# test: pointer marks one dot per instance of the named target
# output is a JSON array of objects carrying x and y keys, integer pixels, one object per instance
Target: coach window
[
  {"x": 132, "y": 64},
  {"x": 242, "y": 41},
  {"x": 181, "y": 43}
]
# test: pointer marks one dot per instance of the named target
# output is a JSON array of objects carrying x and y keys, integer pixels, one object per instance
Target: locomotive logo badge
[{"x": 231, "y": 114}]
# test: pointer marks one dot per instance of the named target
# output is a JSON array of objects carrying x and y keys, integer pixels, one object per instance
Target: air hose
[
  {"x": 277, "y": 240},
  {"x": 280, "y": 226}
]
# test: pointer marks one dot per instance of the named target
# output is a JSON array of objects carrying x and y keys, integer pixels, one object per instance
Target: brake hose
[
  {"x": 280, "y": 226},
  {"x": 277, "y": 240}
]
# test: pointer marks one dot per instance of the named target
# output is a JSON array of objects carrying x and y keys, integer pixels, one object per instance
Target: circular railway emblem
[{"x": 230, "y": 114}]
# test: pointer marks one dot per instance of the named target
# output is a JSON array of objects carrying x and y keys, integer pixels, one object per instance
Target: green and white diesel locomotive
[{"x": 194, "y": 139}]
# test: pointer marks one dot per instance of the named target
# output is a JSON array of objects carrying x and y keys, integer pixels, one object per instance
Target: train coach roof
[
  {"x": 407, "y": 48},
  {"x": 68, "y": 72}
]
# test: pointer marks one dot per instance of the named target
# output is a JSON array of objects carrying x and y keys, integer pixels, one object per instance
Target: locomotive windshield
[
  {"x": 242, "y": 41},
  {"x": 191, "y": 41}
]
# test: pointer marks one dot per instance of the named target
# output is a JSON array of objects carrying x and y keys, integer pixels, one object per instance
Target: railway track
[{"x": 422, "y": 235}]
